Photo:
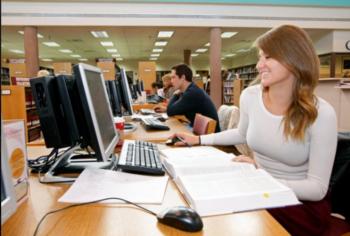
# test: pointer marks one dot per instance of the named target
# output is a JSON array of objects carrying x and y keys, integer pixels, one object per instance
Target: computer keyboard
[
  {"x": 153, "y": 124},
  {"x": 145, "y": 111},
  {"x": 140, "y": 157}
]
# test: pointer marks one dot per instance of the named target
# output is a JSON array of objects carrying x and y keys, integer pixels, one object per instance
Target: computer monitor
[
  {"x": 114, "y": 97},
  {"x": 96, "y": 110},
  {"x": 8, "y": 198},
  {"x": 125, "y": 92}
]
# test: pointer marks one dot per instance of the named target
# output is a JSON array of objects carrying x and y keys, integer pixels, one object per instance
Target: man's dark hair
[{"x": 183, "y": 69}]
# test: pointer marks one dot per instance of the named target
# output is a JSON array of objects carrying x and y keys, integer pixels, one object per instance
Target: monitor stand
[
  {"x": 129, "y": 127},
  {"x": 66, "y": 164}
]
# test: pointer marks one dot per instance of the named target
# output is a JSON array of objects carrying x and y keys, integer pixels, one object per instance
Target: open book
[{"x": 213, "y": 184}]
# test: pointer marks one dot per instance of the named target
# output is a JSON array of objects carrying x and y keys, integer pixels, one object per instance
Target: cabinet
[
  {"x": 108, "y": 69},
  {"x": 17, "y": 103},
  {"x": 62, "y": 68}
]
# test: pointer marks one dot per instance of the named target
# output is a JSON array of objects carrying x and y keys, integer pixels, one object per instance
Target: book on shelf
[{"x": 213, "y": 184}]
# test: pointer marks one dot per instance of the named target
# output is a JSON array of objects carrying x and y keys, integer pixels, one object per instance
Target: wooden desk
[
  {"x": 157, "y": 136},
  {"x": 121, "y": 219},
  {"x": 137, "y": 107}
]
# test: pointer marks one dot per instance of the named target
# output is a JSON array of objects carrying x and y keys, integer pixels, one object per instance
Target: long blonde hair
[{"x": 293, "y": 48}]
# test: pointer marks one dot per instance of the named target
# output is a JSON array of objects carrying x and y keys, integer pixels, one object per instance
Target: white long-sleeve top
[{"x": 303, "y": 166}]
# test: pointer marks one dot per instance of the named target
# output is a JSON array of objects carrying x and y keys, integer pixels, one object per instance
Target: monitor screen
[
  {"x": 96, "y": 109},
  {"x": 126, "y": 94},
  {"x": 8, "y": 199}
]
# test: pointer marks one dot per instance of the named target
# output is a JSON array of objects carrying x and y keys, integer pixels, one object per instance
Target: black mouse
[
  {"x": 172, "y": 141},
  {"x": 162, "y": 119},
  {"x": 181, "y": 217}
]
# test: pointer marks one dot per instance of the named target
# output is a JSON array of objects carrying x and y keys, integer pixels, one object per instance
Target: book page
[{"x": 193, "y": 152}]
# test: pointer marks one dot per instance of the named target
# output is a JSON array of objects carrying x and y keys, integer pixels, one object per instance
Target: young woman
[{"x": 292, "y": 132}]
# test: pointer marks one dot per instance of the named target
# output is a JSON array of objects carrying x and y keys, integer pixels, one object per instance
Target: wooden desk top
[
  {"x": 120, "y": 219},
  {"x": 157, "y": 136}
]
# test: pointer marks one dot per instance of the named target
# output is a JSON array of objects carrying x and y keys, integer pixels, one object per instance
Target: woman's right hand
[{"x": 188, "y": 139}]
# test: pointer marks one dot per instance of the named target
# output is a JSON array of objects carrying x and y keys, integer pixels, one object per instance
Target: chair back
[
  {"x": 224, "y": 113},
  {"x": 203, "y": 125}
]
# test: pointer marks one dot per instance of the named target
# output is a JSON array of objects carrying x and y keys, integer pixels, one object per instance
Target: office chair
[
  {"x": 224, "y": 113},
  {"x": 203, "y": 125}
]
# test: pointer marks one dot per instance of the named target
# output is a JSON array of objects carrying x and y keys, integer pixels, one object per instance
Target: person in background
[
  {"x": 42, "y": 73},
  {"x": 189, "y": 99},
  {"x": 168, "y": 89},
  {"x": 155, "y": 87},
  {"x": 292, "y": 133}
]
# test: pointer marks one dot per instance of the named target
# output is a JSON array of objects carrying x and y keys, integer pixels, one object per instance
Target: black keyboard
[
  {"x": 140, "y": 157},
  {"x": 153, "y": 124}
]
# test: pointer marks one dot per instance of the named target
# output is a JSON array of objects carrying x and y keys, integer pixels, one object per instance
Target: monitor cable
[{"x": 88, "y": 203}]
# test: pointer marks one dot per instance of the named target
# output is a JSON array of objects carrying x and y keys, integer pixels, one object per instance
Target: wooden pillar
[
  {"x": 31, "y": 50},
  {"x": 215, "y": 66},
  {"x": 187, "y": 57},
  {"x": 332, "y": 65}
]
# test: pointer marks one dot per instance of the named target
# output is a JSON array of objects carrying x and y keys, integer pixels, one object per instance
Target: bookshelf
[
  {"x": 17, "y": 103},
  {"x": 246, "y": 73},
  {"x": 5, "y": 76},
  {"x": 227, "y": 92}
]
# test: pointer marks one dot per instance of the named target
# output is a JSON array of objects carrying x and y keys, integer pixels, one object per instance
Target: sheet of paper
[
  {"x": 195, "y": 152},
  {"x": 94, "y": 184}
]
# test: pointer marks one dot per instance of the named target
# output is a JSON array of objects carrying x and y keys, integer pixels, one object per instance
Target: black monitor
[
  {"x": 114, "y": 97},
  {"x": 125, "y": 93}
]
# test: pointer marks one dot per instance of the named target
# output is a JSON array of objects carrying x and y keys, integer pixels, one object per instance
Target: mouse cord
[{"x": 87, "y": 203}]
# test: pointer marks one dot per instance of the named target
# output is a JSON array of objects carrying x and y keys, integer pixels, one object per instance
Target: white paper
[{"x": 94, "y": 184}]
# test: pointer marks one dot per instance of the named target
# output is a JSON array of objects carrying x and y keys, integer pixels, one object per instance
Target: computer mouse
[
  {"x": 172, "y": 141},
  {"x": 182, "y": 218},
  {"x": 162, "y": 119}
]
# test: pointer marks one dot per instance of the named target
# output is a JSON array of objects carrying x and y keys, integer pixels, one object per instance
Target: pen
[{"x": 183, "y": 141}]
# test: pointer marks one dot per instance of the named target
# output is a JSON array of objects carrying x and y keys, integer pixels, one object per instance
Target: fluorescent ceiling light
[
  {"x": 46, "y": 59},
  {"x": 99, "y": 34},
  {"x": 194, "y": 54},
  {"x": 160, "y": 43},
  {"x": 157, "y": 50},
  {"x": 38, "y": 35},
  {"x": 65, "y": 50},
  {"x": 82, "y": 59},
  {"x": 115, "y": 55},
  {"x": 202, "y": 50},
  {"x": 75, "y": 55},
  {"x": 243, "y": 50},
  {"x": 227, "y": 35},
  {"x": 231, "y": 55},
  {"x": 207, "y": 45},
  {"x": 153, "y": 58},
  {"x": 17, "y": 51},
  {"x": 51, "y": 44},
  {"x": 155, "y": 55},
  {"x": 112, "y": 50},
  {"x": 107, "y": 44},
  {"x": 119, "y": 59},
  {"x": 165, "y": 34}
]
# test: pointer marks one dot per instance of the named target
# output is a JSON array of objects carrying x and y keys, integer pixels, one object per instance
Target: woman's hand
[
  {"x": 243, "y": 158},
  {"x": 186, "y": 139}
]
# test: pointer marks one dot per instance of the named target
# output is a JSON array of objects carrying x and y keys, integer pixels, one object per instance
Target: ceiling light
[
  {"x": 115, "y": 55},
  {"x": 75, "y": 55},
  {"x": 243, "y": 50},
  {"x": 157, "y": 50},
  {"x": 207, "y": 45},
  {"x": 82, "y": 59},
  {"x": 46, "y": 59},
  {"x": 107, "y": 44},
  {"x": 153, "y": 59},
  {"x": 119, "y": 59},
  {"x": 112, "y": 50},
  {"x": 202, "y": 50},
  {"x": 165, "y": 34},
  {"x": 231, "y": 55},
  {"x": 99, "y": 34},
  {"x": 194, "y": 54},
  {"x": 51, "y": 44},
  {"x": 155, "y": 55},
  {"x": 17, "y": 51},
  {"x": 38, "y": 35},
  {"x": 160, "y": 43},
  {"x": 227, "y": 35},
  {"x": 65, "y": 50}
]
